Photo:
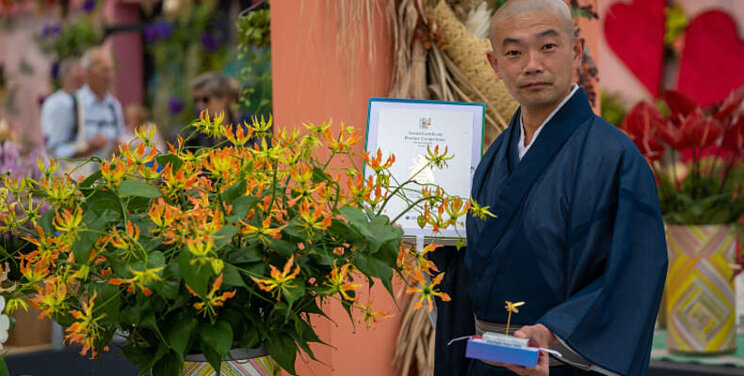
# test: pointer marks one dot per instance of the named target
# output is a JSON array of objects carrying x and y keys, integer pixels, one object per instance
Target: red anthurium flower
[
  {"x": 650, "y": 147},
  {"x": 680, "y": 105},
  {"x": 733, "y": 139},
  {"x": 699, "y": 131},
  {"x": 643, "y": 120},
  {"x": 731, "y": 103}
]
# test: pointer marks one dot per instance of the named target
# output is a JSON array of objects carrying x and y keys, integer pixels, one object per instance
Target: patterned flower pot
[
  {"x": 240, "y": 362},
  {"x": 700, "y": 296}
]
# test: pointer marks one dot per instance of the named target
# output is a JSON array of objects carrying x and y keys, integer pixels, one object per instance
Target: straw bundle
[
  {"x": 468, "y": 53},
  {"x": 409, "y": 70},
  {"x": 415, "y": 342}
]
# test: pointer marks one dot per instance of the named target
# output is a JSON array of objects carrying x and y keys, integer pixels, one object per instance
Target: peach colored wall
[
  {"x": 313, "y": 82},
  {"x": 615, "y": 75}
]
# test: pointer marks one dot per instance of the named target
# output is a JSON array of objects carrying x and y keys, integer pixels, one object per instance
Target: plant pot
[
  {"x": 254, "y": 362},
  {"x": 700, "y": 294}
]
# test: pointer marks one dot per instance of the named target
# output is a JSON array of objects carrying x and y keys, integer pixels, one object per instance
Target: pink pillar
[{"x": 127, "y": 48}]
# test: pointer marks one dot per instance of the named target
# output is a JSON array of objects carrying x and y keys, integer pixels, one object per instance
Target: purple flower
[
  {"x": 89, "y": 5},
  {"x": 175, "y": 105},
  {"x": 50, "y": 30},
  {"x": 209, "y": 42},
  {"x": 151, "y": 35},
  {"x": 54, "y": 70},
  {"x": 158, "y": 31}
]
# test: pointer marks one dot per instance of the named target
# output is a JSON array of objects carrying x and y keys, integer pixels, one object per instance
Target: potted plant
[
  {"x": 696, "y": 155},
  {"x": 210, "y": 250}
]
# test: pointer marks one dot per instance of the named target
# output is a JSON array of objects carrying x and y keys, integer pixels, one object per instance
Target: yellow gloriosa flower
[
  {"x": 336, "y": 282},
  {"x": 427, "y": 290},
  {"x": 279, "y": 281},
  {"x": 212, "y": 300},
  {"x": 86, "y": 329}
]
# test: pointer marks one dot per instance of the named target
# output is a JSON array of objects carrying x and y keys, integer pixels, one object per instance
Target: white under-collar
[{"x": 522, "y": 148}]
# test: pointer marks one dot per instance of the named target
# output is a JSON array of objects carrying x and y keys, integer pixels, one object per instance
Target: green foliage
[
  {"x": 237, "y": 247},
  {"x": 612, "y": 109},
  {"x": 702, "y": 198},
  {"x": 74, "y": 38},
  {"x": 254, "y": 40}
]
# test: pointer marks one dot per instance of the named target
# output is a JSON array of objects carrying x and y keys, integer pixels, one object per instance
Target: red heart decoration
[
  {"x": 712, "y": 62},
  {"x": 635, "y": 32}
]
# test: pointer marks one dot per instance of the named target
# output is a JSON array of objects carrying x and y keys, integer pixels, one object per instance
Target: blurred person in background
[
  {"x": 218, "y": 94},
  {"x": 59, "y": 109}
]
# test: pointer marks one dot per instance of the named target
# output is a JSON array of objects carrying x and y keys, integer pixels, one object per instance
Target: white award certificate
[{"x": 406, "y": 128}]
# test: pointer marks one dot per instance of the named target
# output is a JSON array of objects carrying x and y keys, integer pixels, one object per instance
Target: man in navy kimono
[{"x": 578, "y": 233}]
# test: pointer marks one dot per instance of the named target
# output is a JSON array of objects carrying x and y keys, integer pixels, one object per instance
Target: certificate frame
[{"x": 475, "y": 129}]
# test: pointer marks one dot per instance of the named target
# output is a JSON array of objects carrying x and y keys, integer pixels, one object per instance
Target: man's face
[
  {"x": 75, "y": 78},
  {"x": 101, "y": 73},
  {"x": 536, "y": 57}
]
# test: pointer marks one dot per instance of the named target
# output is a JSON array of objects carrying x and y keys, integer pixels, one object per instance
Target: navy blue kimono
[{"x": 578, "y": 236}]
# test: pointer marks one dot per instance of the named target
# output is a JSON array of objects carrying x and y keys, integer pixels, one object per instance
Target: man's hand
[
  {"x": 97, "y": 142},
  {"x": 540, "y": 336},
  {"x": 93, "y": 145},
  {"x": 541, "y": 369}
]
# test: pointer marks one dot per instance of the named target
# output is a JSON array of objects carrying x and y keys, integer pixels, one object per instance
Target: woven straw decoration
[{"x": 469, "y": 54}]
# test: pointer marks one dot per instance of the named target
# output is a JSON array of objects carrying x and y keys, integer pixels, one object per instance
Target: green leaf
[
  {"x": 373, "y": 267},
  {"x": 218, "y": 336},
  {"x": 83, "y": 245},
  {"x": 294, "y": 230},
  {"x": 45, "y": 222},
  {"x": 195, "y": 276},
  {"x": 103, "y": 202},
  {"x": 213, "y": 357},
  {"x": 283, "y": 247},
  {"x": 159, "y": 353},
  {"x": 322, "y": 256},
  {"x": 284, "y": 351},
  {"x": 233, "y": 192},
  {"x": 3, "y": 367},
  {"x": 245, "y": 255},
  {"x": 88, "y": 182},
  {"x": 108, "y": 301},
  {"x": 383, "y": 233},
  {"x": 137, "y": 188},
  {"x": 241, "y": 207},
  {"x": 179, "y": 334},
  {"x": 168, "y": 289},
  {"x": 231, "y": 276},
  {"x": 174, "y": 161},
  {"x": 130, "y": 315},
  {"x": 224, "y": 235},
  {"x": 294, "y": 291},
  {"x": 138, "y": 355},
  {"x": 319, "y": 175},
  {"x": 357, "y": 218},
  {"x": 169, "y": 365}
]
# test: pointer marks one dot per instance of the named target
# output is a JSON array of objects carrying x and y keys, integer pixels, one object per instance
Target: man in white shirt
[
  {"x": 98, "y": 116},
  {"x": 58, "y": 110}
]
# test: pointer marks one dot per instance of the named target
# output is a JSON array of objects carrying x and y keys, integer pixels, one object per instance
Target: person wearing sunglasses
[{"x": 218, "y": 94}]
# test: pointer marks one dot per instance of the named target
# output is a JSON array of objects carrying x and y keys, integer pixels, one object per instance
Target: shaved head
[
  {"x": 513, "y": 8},
  {"x": 535, "y": 53}
]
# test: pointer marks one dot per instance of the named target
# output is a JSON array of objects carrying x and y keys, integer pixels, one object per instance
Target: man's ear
[
  {"x": 491, "y": 56},
  {"x": 578, "y": 51}
]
